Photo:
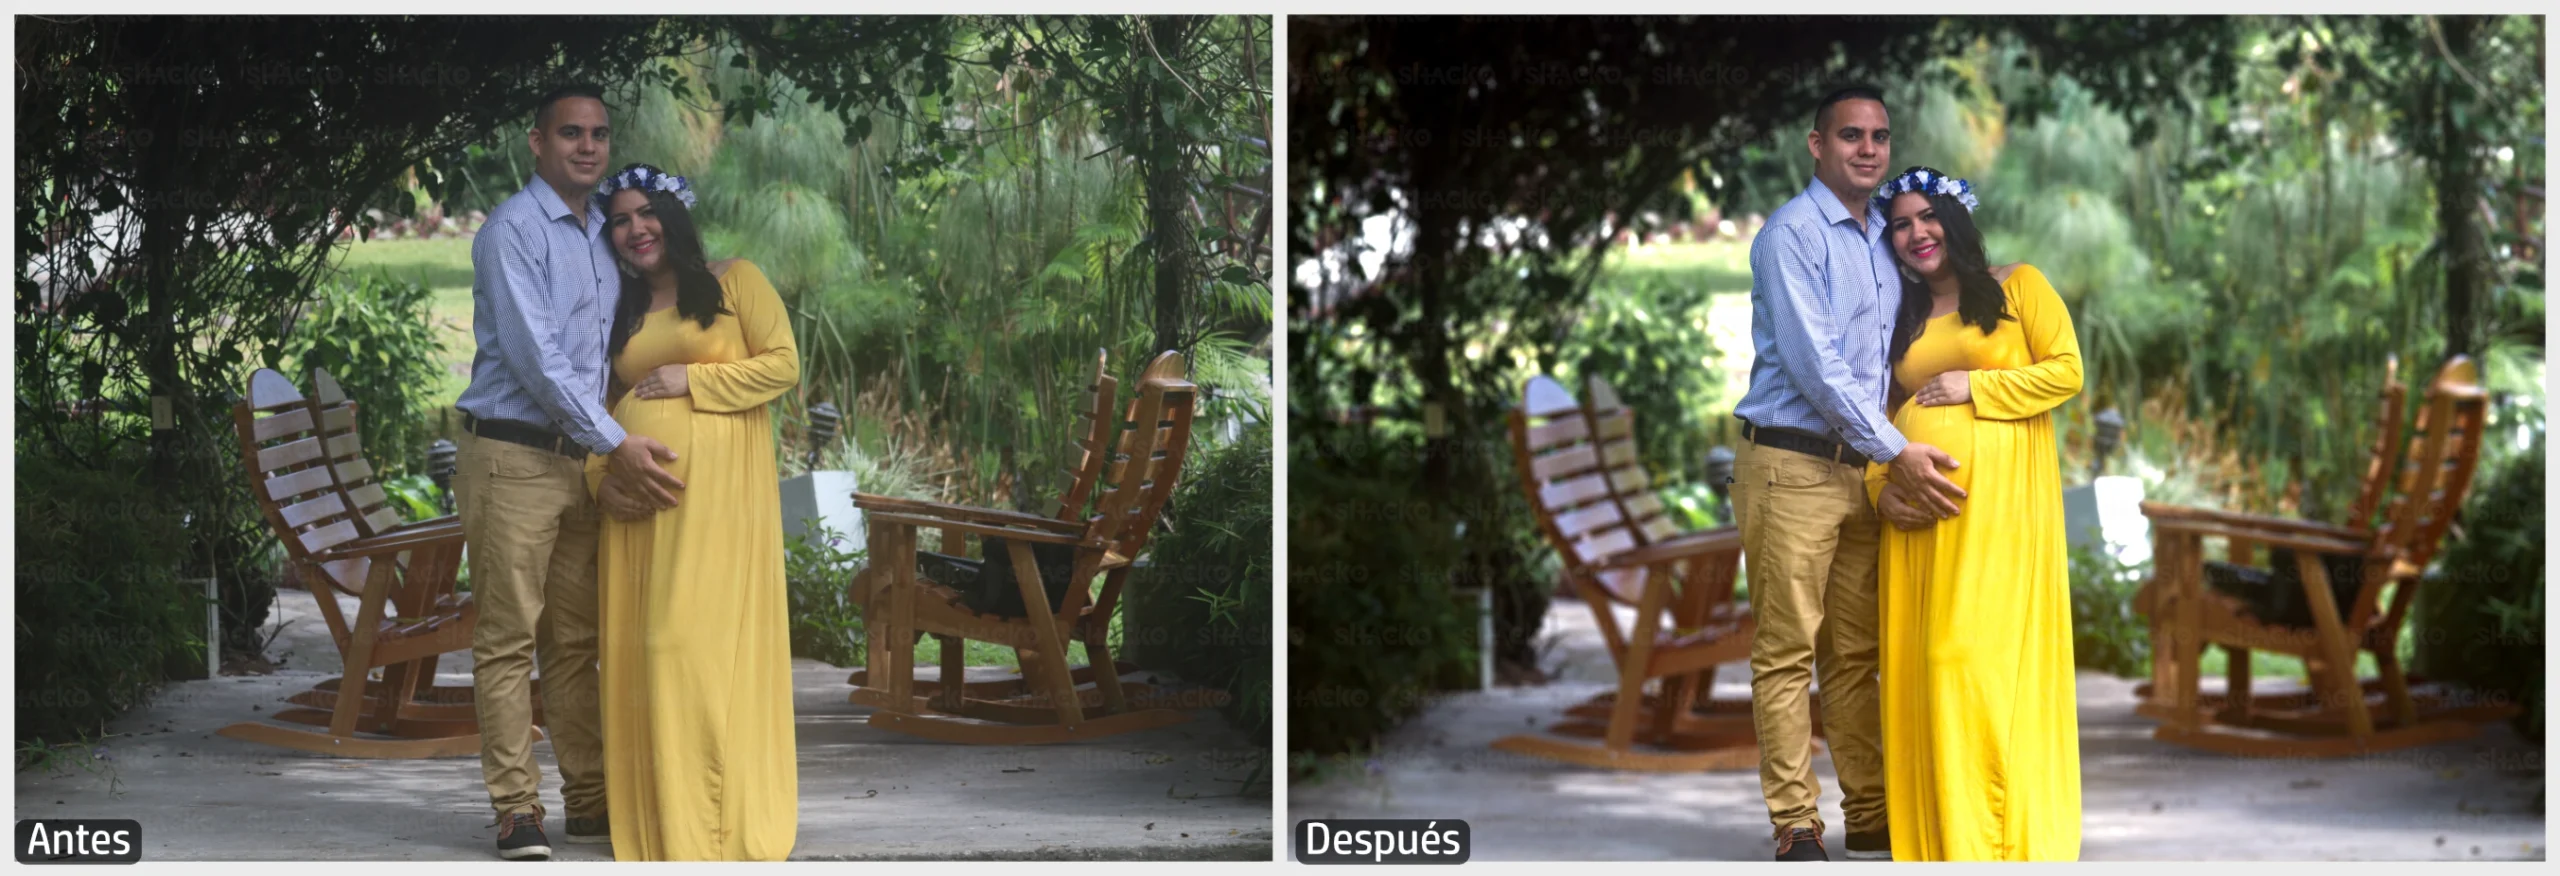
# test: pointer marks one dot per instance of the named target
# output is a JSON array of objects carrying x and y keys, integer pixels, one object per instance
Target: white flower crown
[
  {"x": 647, "y": 179},
  {"x": 1928, "y": 182}
]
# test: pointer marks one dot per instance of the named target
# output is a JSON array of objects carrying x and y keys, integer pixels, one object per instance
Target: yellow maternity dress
[
  {"x": 699, "y": 756},
  {"x": 1981, "y": 735}
]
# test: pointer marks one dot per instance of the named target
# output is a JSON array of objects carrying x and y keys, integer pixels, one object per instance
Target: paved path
[
  {"x": 2141, "y": 799},
  {"x": 1169, "y": 793}
]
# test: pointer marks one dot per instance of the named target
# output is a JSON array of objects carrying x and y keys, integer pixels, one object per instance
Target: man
[
  {"x": 1824, "y": 290},
  {"x": 542, "y": 292}
]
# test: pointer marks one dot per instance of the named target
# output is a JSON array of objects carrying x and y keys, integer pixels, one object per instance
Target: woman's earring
[
  {"x": 628, "y": 269},
  {"x": 1907, "y": 273}
]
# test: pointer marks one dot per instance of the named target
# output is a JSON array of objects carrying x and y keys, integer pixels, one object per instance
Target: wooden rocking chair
[
  {"x": 1091, "y": 449},
  {"x": 1051, "y": 706},
  {"x": 2381, "y": 463},
  {"x": 2340, "y": 714},
  {"x": 1579, "y": 467},
  {"x": 302, "y": 457}
]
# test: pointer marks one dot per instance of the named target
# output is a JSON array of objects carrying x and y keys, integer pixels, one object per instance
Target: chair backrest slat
[
  {"x": 1092, "y": 444},
  {"x": 2386, "y": 446},
  {"x": 2434, "y": 479},
  {"x": 355, "y": 477},
  {"x": 285, "y": 457},
  {"x": 1147, "y": 465},
  {"x": 1565, "y": 474}
]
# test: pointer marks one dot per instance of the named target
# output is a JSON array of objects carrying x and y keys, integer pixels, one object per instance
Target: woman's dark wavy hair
[
  {"x": 1978, "y": 296},
  {"x": 698, "y": 293}
]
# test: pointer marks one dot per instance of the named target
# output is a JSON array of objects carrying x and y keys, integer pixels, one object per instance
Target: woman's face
[
  {"x": 1918, "y": 240},
  {"x": 637, "y": 239}
]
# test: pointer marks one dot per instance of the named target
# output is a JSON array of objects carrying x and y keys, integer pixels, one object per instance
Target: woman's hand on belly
[
  {"x": 1949, "y": 388},
  {"x": 664, "y": 381}
]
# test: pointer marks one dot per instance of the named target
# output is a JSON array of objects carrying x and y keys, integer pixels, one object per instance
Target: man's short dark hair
[
  {"x": 542, "y": 108},
  {"x": 1822, "y": 111}
]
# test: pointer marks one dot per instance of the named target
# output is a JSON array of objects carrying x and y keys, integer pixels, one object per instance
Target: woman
[
  {"x": 699, "y": 756},
  {"x": 1981, "y": 736}
]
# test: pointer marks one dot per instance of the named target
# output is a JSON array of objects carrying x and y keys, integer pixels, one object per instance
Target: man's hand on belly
[{"x": 1916, "y": 471}]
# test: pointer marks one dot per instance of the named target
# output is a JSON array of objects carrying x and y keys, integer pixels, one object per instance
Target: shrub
[
  {"x": 825, "y": 626},
  {"x": 101, "y": 609},
  {"x": 1203, "y": 601},
  {"x": 373, "y": 334},
  {"x": 2480, "y": 616},
  {"x": 1373, "y": 624},
  {"x": 2106, "y": 634}
]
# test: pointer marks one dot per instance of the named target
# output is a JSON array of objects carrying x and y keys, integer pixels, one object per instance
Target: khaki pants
[
  {"x": 532, "y": 529},
  {"x": 1809, "y": 538}
]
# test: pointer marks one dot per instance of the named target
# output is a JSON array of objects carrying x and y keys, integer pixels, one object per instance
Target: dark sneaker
[
  {"x": 1873, "y": 845},
  {"x": 1800, "y": 844},
  {"x": 589, "y": 830},
  {"x": 520, "y": 838}
]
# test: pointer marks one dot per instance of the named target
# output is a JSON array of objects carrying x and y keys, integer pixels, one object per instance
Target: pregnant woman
[
  {"x": 1981, "y": 733},
  {"x": 699, "y": 755}
]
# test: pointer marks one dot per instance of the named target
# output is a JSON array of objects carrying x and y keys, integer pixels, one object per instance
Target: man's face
[
  {"x": 1853, "y": 146},
  {"x": 571, "y": 145}
]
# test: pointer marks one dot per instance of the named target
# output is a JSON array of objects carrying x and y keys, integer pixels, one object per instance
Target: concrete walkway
[
  {"x": 1165, "y": 794},
  {"x": 2141, "y": 799}
]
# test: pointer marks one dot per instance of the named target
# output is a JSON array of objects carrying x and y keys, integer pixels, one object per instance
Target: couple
[
  {"x": 1900, "y": 378},
  {"x": 620, "y": 373}
]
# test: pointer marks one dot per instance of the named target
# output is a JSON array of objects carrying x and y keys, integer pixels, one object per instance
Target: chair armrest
[
  {"x": 392, "y": 543},
  {"x": 1695, "y": 544},
  {"x": 981, "y": 530},
  {"x": 2294, "y": 540},
  {"x": 2158, "y": 511},
  {"x": 431, "y": 524},
  {"x": 913, "y": 508}
]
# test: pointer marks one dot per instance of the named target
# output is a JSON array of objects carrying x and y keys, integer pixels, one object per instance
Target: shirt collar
[
  {"x": 1834, "y": 213},
  {"x": 556, "y": 208}
]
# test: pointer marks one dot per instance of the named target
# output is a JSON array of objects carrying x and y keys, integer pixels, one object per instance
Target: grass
[{"x": 991, "y": 654}]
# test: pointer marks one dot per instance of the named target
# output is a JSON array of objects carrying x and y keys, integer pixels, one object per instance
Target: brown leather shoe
[{"x": 1800, "y": 844}]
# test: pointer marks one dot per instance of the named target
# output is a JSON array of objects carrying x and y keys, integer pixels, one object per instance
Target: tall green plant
[{"x": 371, "y": 332}]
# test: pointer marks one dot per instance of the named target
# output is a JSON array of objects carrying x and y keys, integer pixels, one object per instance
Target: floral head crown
[
  {"x": 647, "y": 179},
  {"x": 1927, "y": 181}
]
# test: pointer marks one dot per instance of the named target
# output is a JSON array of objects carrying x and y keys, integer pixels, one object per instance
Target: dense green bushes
[
  {"x": 373, "y": 334},
  {"x": 2481, "y": 614},
  {"x": 1374, "y": 625},
  {"x": 817, "y": 570},
  {"x": 101, "y": 607},
  {"x": 2106, "y": 634},
  {"x": 1203, "y": 601}
]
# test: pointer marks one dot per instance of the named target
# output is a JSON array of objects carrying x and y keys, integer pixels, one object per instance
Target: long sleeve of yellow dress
[
  {"x": 772, "y": 365},
  {"x": 2019, "y": 393}
]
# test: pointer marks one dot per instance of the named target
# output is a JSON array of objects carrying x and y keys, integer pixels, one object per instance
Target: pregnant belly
[
  {"x": 669, "y": 420},
  {"x": 1946, "y": 427}
]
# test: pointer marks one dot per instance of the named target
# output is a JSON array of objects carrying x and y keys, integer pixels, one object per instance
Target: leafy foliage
[
  {"x": 2482, "y": 612},
  {"x": 1203, "y": 602},
  {"x": 371, "y": 332},
  {"x": 1373, "y": 624},
  {"x": 824, "y": 626},
  {"x": 2106, "y": 634},
  {"x": 101, "y": 609}
]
